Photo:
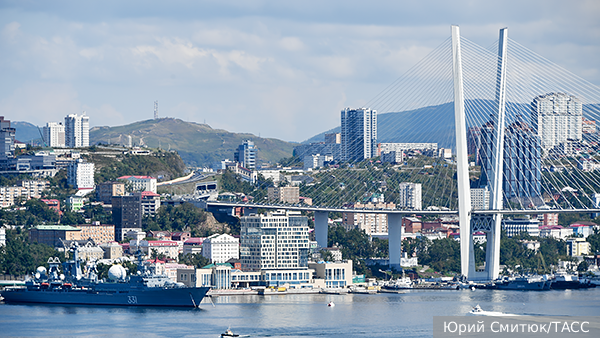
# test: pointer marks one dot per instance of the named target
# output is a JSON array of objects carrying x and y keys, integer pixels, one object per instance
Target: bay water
[{"x": 407, "y": 314}]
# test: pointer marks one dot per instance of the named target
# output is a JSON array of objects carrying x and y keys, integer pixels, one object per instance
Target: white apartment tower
[
  {"x": 409, "y": 196},
  {"x": 221, "y": 248},
  {"x": 557, "y": 118},
  {"x": 80, "y": 175},
  {"x": 359, "y": 134},
  {"x": 54, "y": 134},
  {"x": 77, "y": 131},
  {"x": 278, "y": 240}
]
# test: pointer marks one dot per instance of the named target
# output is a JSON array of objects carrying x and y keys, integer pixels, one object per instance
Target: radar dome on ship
[
  {"x": 117, "y": 272},
  {"x": 41, "y": 270}
]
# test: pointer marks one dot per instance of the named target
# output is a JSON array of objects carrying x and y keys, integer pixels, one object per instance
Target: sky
[{"x": 278, "y": 69}]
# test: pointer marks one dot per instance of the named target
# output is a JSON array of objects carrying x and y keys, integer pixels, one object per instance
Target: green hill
[{"x": 197, "y": 144}]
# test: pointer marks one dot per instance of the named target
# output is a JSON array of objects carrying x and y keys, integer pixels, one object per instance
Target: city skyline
[{"x": 264, "y": 68}]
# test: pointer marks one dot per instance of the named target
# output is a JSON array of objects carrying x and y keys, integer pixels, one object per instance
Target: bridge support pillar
[
  {"x": 321, "y": 227},
  {"x": 395, "y": 239}
]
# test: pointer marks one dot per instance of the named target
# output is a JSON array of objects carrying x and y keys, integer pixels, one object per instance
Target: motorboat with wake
[
  {"x": 478, "y": 311},
  {"x": 145, "y": 288}
]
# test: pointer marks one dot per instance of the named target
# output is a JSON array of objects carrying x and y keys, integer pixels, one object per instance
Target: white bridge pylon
[{"x": 469, "y": 224}]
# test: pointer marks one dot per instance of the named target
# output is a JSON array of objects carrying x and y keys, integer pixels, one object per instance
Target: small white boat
[
  {"x": 331, "y": 304},
  {"x": 478, "y": 311},
  {"x": 229, "y": 333}
]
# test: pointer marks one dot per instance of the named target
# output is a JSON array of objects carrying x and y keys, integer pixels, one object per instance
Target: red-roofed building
[
  {"x": 168, "y": 248},
  {"x": 150, "y": 203},
  {"x": 193, "y": 245},
  {"x": 54, "y": 205},
  {"x": 140, "y": 183},
  {"x": 181, "y": 236},
  {"x": 583, "y": 229}
]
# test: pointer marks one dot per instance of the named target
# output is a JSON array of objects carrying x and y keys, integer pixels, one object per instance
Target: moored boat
[
  {"x": 524, "y": 283},
  {"x": 146, "y": 288}
]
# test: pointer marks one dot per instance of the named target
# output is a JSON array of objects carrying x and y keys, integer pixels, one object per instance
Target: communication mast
[{"x": 156, "y": 110}]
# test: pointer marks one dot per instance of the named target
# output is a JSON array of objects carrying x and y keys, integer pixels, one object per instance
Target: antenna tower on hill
[{"x": 156, "y": 110}]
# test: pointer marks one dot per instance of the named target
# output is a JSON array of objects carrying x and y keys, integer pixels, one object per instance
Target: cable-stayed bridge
[{"x": 521, "y": 130}]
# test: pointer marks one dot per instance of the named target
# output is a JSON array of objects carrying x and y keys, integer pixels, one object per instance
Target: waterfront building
[
  {"x": 358, "y": 134},
  {"x": 409, "y": 195},
  {"x": 126, "y": 214},
  {"x": 140, "y": 183},
  {"x": 284, "y": 194},
  {"x": 105, "y": 191},
  {"x": 336, "y": 274},
  {"x": 77, "y": 131},
  {"x": 516, "y": 226},
  {"x": 277, "y": 240},
  {"x": 80, "y": 175},
  {"x": 245, "y": 154},
  {"x": 557, "y": 118},
  {"x": 221, "y": 248},
  {"x": 54, "y": 134}
]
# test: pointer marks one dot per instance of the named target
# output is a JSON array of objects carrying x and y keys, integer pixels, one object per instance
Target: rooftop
[{"x": 57, "y": 227}]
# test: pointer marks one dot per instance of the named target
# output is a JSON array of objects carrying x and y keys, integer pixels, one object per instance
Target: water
[{"x": 408, "y": 314}]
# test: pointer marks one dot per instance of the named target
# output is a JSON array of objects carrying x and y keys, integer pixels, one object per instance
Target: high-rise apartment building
[
  {"x": 126, "y": 214},
  {"x": 7, "y": 138},
  {"x": 77, "y": 131},
  {"x": 409, "y": 195},
  {"x": 80, "y": 175},
  {"x": 557, "y": 118},
  {"x": 359, "y": 134},
  {"x": 246, "y": 154},
  {"x": 277, "y": 240},
  {"x": 284, "y": 194},
  {"x": 522, "y": 167},
  {"x": 54, "y": 134}
]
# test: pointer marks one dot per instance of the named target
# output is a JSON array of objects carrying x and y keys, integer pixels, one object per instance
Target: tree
[
  {"x": 583, "y": 266},
  {"x": 20, "y": 257},
  {"x": 196, "y": 260}
]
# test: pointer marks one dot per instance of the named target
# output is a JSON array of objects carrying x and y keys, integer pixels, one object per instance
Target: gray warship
[{"x": 145, "y": 288}]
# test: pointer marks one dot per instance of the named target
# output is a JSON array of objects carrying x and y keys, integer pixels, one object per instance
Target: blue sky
[{"x": 281, "y": 69}]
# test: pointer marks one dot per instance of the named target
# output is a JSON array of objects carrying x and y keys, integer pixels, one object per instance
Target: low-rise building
[
  {"x": 555, "y": 231},
  {"x": 578, "y": 246},
  {"x": 53, "y": 235},
  {"x": 53, "y": 204},
  {"x": 112, "y": 250},
  {"x": 168, "y": 248},
  {"x": 75, "y": 203},
  {"x": 335, "y": 274},
  {"x": 371, "y": 223},
  {"x": 516, "y": 226},
  {"x": 150, "y": 203},
  {"x": 221, "y": 248},
  {"x": 100, "y": 233},
  {"x": 140, "y": 183},
  {"x": 284, "y": 194},
  {"x": 193, "y": 246}
]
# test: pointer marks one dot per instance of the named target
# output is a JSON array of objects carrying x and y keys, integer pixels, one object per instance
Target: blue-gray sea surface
[{"x": 408, "y": 314}]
